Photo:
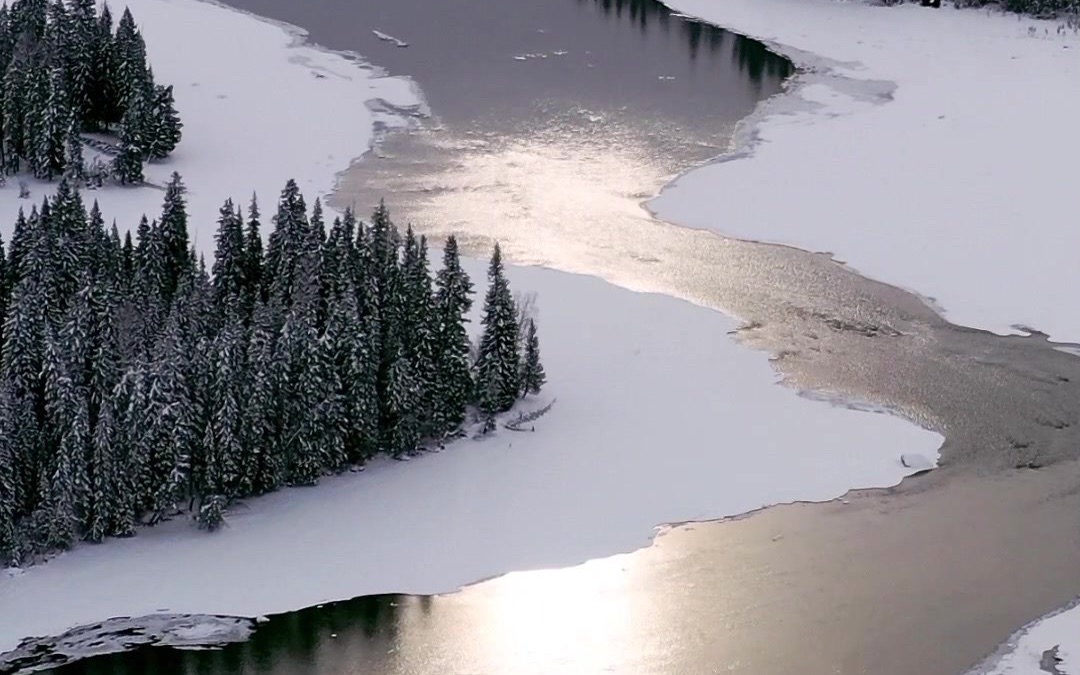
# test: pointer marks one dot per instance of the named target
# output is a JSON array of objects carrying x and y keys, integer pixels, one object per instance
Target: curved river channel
[{"x": 553, "y": 122}]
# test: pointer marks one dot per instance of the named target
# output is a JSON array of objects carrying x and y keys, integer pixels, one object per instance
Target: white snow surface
[
  {"x": 932, "y": 149},
  {"x": 660, "y": 416},
  {"x": 1025, "y": 651},
  {"x": 258, "y": 107}
]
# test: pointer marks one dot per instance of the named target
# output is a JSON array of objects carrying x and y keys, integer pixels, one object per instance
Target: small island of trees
[
  {"x": 136, "y": 384},
  {"x": 65, "y": 73}
]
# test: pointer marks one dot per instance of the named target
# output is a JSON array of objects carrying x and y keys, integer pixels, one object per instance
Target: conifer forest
[
  {"x": 139, "y": 382},
  {"x": 66, "y": 72}
]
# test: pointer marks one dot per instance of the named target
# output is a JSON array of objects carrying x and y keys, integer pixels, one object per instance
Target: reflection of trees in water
[
  {"x": 361, "y": 631},
  {"x": 750, "y": 56}
]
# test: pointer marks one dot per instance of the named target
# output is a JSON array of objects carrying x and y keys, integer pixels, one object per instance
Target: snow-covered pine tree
[
  {"x": 454, "y": 384},
  {"x": 73, "y": 249},
  {"x": 383, "y": 287},
  {"x": 111, "y": 506},
  {"x": 229, "y": 260},
  {"x": 5, "y": 292},
  {"x": 68, "y": 424},
  {"x": 29, "y": 17},
  {"x": 127, "y": 165},
  {"x": 131, "y": 73},
  {"x": 8, "y": 495},
  {"x": 147, "y": 297},
  {"x": 498, "y": 362},
  {"x": 403, "y": 432},
  {"x": 23, "y": 357},
  {"x": 227, "y": 460},
  {"x": 262, "y": 424},
  {"x": 52, "y": 127},
  {"x": 127, "y": 258},
  {"x": 164, "y": 126},
  {"x": 13, "y": 104},
  {"x": 170, "y": 414},
  {"x": 418, "y": 325},
  {"x": 288, "y": 241},
  {"x": 532, "y": 370},
  {"x": 174, "y": 235},
  {"x": 352, "y": 357},
  {"x": 211, "y": 515},
  {"x": 253, "y": 257},
  {"x": 299, "y": 390},
  {"x": 81, "y": 43},
  {"x": 102, "y": 88},
  {"x": 74, "y": 164}
]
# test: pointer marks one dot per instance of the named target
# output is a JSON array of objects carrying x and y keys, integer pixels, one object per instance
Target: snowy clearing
[
  {"x": 279, "y": 110},
  {"x": 932, "y": 149},
  {"x": 660, "y": 417}
]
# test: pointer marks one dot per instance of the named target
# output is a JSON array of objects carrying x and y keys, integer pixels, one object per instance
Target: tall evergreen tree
[
  {"x": 532, "y": 371},
  {"x": 163, "y": 123},
  {"x": 67, "y": 489},
  {"x": 253, "y": 255},
  {"x": 229, "y": 259},
  {"x": 262, "y": 416},
  {"x": 454, "y": 387},
  {"x": 102, "y": 88},
  {"x": 497, "y": 363},
  {"x": 127, "y": 165},
  {"x": 174, "y": 235}
]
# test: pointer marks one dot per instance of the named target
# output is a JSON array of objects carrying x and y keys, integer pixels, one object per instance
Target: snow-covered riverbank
[
  {"x": 660, "y": 417},
  {"x": 932, "y": 149}
]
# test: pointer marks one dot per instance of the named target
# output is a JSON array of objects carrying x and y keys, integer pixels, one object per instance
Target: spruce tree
[
  {"x": 497, "y": 364},
  {"x": 229, "y": 259},
  {"x": 253, "y": 256},
  {"x": 417, "y": 325},
  {"x": 53, "y": 127},
  {"x": 127, "y": 165},
  {"x": 80, "y": 52},
  {"x": 164, "y": 126},
  {"x": 4, "y": 292},
  {"x": 23, "y": 359},
  {"x": 102, "y": 88},
  {"x": 454, "y": 387},
  {"x": 262, "y": 415},
  {"x": 131, "y": 72},
  {"x": 170, "y": 415},
  {"x": 67, "y": 487},
  {"x": 74, "y": 165},
  {"x": 227, "y": 460},
  {"x": 532, "y": 371},
  {"x": 290, "y": 238},
  {"x": 174, "y": 235},
  {"x": 8, "y": 495}
]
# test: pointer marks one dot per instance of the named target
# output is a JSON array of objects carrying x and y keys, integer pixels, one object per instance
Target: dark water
[{"x": 605, "y": 54}]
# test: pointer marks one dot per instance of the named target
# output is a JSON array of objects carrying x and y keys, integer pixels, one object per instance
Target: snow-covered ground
[
  {"x": 258, "y": 108},
  {"x": 933, "y": 149},
  {"x": 1049, "y": 645},
  {"x": 660, "y": 416}
]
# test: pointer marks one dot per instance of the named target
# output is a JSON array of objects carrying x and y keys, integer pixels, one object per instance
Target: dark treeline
[
  {"x": 65, "y": 72},
  {"x": 136, "y": 384}
]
